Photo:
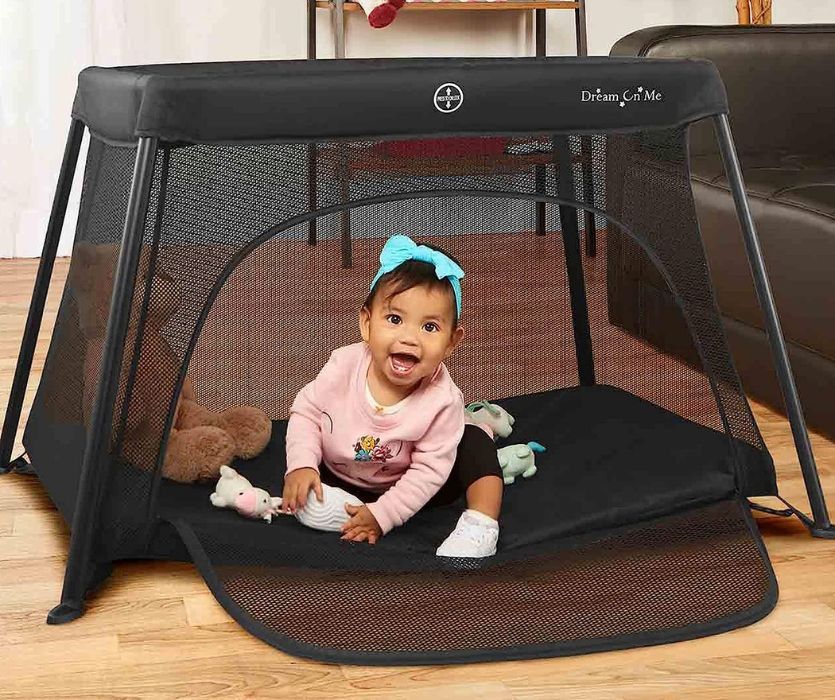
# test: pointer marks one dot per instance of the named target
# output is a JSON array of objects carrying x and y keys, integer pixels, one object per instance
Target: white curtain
[
  {"x": 45, "y": 43},
  {"x": 42, "y": 45}
]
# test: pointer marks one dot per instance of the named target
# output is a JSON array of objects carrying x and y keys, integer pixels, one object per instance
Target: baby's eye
[
  {"x": 393, "y": 318},
  {"x": 430, "y": 327}
]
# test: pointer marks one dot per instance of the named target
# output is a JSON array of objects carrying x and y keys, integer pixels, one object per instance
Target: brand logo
[
  {"x": 628, "y": 96},
  {"x": 448, "y": 97}
]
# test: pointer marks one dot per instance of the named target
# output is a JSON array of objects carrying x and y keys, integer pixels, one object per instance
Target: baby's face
[{"x": 410, "y": 334}]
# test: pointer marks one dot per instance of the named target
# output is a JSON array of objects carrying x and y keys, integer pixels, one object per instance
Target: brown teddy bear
[{"x": 200, "y": 441}]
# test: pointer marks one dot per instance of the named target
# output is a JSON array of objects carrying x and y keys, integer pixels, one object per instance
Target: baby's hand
[
  {"x": 297, "y": 486},
  {"x": 362, "y": 526}
]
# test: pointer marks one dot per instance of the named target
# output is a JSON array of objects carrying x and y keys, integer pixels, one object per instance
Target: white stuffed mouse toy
[{"x": 235, "y": 491}]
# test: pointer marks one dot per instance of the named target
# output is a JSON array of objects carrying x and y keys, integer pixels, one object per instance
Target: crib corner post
[
  {"x": 82, "y": 573},
  {"x": 821, "y": 525},
  {"x": 39, "y": 293}
]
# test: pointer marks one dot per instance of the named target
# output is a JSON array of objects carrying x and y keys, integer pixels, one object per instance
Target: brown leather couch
[{"x": 780, "y": 82}]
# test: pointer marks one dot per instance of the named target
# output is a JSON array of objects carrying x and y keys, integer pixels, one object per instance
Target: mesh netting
[
  {"x": 675, "y": 577},
  {"x": 232, "y": 287}
]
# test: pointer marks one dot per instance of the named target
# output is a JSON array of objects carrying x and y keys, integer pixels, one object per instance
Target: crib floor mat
[
  {"x": 612, "y": 459},
  {"x": 629, "y": 534}
]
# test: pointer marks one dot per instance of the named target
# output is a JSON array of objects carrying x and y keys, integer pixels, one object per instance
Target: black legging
[{"x": 475, "y": 459}]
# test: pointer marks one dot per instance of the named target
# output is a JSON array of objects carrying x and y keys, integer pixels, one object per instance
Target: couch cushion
[
  {"x": 793, "y": 203},
  {"x": 778, "y": 80},
  {"x": 779, "y": 177}
]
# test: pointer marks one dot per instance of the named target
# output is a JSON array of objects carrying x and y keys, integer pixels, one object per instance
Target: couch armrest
[{"x": 778, "y": 79}]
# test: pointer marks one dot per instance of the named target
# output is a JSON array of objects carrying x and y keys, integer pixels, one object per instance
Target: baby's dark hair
[{"x": 414, "y": 273}]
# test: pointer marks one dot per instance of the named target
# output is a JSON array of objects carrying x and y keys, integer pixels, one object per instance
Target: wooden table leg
[
  {"x": 580, "y": 27},
  {"x": 311, "y": 29},
  {"x": 541, "y": 48},
  {"x": 586, "y": 166},
  {"x": 339, "y": 28}
]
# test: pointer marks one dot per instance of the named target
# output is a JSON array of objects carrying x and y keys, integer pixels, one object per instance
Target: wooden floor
[{"x": 154, "y": 630}]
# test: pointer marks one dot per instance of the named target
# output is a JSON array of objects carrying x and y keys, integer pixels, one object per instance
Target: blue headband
[{"x": 400, "y": 249}]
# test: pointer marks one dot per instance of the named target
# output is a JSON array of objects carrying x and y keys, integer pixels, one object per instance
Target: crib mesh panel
[
  {"x": 63, "y": 404},
  {"x": 518, "y": 343},
  {"x": 288, "y": 304},
  {"x": 658, "y": 173},
  {"x": 669, "y": 578}
]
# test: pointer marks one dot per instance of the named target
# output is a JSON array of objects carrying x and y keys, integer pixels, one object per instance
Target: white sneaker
[{"x": 474, "y": 536}]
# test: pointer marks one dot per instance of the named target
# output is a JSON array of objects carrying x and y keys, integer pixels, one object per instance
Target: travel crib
[{"x": 251, "y": 200}]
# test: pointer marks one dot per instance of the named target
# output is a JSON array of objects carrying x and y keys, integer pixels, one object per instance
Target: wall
[{"x": 44, "y": 43}]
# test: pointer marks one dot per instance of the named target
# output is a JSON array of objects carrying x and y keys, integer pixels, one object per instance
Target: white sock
[{"x": 482, "y": 518}]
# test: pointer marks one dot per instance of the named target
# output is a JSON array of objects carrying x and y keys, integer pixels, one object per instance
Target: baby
[{"x": 384, "y": 421}]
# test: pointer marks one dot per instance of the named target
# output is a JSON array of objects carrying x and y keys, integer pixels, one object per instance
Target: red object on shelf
[{"x": 453, "y": 147}]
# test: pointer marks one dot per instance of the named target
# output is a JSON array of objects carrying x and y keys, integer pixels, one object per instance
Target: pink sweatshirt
[{"x": 405, "y": 456}]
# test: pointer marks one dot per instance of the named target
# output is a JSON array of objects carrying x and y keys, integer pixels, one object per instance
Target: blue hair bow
[{"x": 400, "y": 249}]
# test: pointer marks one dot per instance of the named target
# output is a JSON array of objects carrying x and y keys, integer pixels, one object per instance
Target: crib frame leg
[
  {"x": 346, "y": 245},
  {"x": 574, "y": 263},
  {"x": 311, "y": 147},
  {"x": 82, "y": 573},
  {"x": 540, "y": 184},
  {"x": 590, "y": 230},
  {"x": 36, "y": 306},
  {"x": 820, "y": 526},
  {"x": 540, "y": 23},
  {"x": 312, "y": 198}
]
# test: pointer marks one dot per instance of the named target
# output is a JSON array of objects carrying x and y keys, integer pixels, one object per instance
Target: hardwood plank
[
  {"x": 677, "y": 676},
  {"x": 37, "y": 659},
  {"x": 47, "y": 545},
  {"x": 27, "y": 571},
  {"x": 814, "y": 688},
  {"x": 104, "y": 618},
  {"x": 131, "y": 581},
  {"x": 24, "y": 492},
  {"x": 203, "y": 609},
  {"x": 38, "y": 522},
  {"x": 6, "y": 522},
  {"x": 206, "y": 642},
  {"x": 228, "y": 675}
]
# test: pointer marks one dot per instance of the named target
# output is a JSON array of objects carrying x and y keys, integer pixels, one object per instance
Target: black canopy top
[{"x": 263, "y": 101}]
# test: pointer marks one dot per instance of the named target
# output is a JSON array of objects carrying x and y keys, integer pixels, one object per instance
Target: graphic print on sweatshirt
[{"x": 368, "y": 449}]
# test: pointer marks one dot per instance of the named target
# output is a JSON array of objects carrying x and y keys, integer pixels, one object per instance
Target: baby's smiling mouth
[{"x": 402, "y": 363}]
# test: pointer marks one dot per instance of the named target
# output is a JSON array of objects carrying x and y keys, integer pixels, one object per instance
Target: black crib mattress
[
  {"x": 611, "y": 459},
  {"x": 630, "y": 533}
]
